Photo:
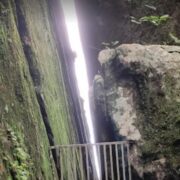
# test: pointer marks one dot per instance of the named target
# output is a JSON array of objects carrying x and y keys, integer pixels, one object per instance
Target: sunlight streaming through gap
[{"x": 80, "y": 68}]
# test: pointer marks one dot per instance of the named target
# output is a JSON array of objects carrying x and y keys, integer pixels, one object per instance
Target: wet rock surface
[{"x": 138, "y": 92}]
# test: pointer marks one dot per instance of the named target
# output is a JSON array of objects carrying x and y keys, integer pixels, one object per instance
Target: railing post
[
  {"x": 52, "y": 163},
  {"x": 123, "y": 162},
  {"x": 87, "y": 162},
  {"x": 105, "y": 162},
  {"x": 74, "y": 163},
  {"x": 111, "y": 162},
  {"x": 61, "y": 163},
  {"x": 81, "y": 162},
  {"x": 99, "y": 159},
  {"x": 117, "y": 162},
  {"x": 68, "y": 154}
]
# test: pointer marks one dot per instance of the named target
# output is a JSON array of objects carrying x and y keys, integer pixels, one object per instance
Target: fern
[{"x": 155, "y": 20}]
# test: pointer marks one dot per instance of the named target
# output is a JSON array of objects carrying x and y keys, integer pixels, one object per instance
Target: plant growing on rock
[
  {"x": 155, "y": 20},
  {"x": 19, "y": 164}
]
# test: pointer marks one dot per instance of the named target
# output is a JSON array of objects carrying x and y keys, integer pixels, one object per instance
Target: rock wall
[
  {"x": 138, "y": 92},
  {"x": 37, "y": 108}
]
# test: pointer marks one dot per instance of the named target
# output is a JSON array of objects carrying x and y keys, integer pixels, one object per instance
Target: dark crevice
[{"x": 36, "y": 78}]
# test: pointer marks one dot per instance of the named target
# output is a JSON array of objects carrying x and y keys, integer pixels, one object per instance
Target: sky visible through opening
[{"x": 80, "y": 68}]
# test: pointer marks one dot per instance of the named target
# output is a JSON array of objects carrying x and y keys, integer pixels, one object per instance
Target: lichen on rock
[{"x": 142, "y": 99}]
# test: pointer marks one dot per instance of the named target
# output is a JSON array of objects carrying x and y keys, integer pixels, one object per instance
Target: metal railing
[{"x": 77, "y": 161}]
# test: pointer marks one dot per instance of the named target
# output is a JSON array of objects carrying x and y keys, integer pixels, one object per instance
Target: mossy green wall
[
  {"x": 161, "y": 118},
  {"x": 23, "y": 140}
]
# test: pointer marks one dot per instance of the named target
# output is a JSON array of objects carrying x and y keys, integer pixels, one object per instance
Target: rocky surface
[{"x": 138, "y": 92}]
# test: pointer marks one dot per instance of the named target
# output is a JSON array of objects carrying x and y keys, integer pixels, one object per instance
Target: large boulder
[{"x": 138, "y": 91}]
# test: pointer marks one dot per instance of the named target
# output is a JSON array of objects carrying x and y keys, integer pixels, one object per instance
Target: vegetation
[
  {"x": 155, "y": 20},
  {"x": 20, "y": 119},
  {"x": 160, "y": 119},
  {"x": 19, "y": 164},
  {"x": 23, "y": 137}
]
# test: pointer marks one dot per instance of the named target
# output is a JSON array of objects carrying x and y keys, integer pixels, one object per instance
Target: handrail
[
  {"x": 76, "y": 161},
  {"x": 89, "y": 144}
]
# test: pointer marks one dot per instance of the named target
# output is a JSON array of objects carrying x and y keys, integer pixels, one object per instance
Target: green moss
[
  {"x": 161, "y": 114},
  {"x": 46, "y": 59},
  {"x": 18, "y": 107},
  {"x": 155, "y": 20},
  {"x": 20, "y": 165},
  {"x": 18, "y": 103}
]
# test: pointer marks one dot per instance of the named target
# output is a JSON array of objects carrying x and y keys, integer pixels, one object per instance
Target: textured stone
[
  {"x": 106, "y": 55},
  {"x": 141, "y": 91}
]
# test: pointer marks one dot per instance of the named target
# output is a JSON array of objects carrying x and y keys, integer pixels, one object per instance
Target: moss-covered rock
[
  {"x": 34, "y": 107},
  {"x": 142, "y": 98}
]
